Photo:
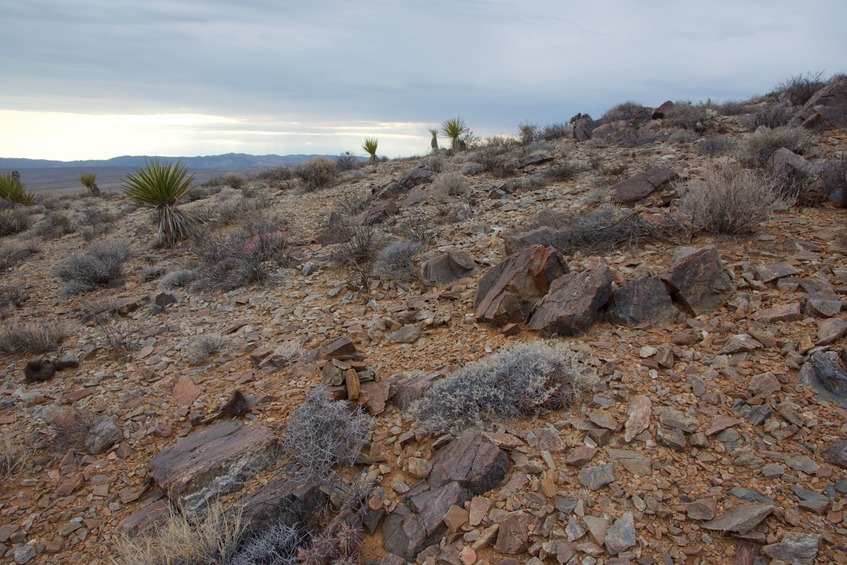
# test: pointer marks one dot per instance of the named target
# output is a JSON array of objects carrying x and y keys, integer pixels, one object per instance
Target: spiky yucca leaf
[
  {"x": 87, "y": 179},
  {"x": 161, "y": 186},
  {"x": 454, "y": 128},
  {"x": 370, "y": 146},
  {"x": 13, "y": 190}
]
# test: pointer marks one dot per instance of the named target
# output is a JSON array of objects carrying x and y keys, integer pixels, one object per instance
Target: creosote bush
[
  {"x": 730, "y": 201},
  {"x": 764, "y": 142},
  {"x": 318, "y": 173},
  {"x": 800, "y": 88},
  {"x": 449, "y": 184},
  {"x": 518, "y": 381},
  {"x": 100, "y": 265},
  {"x": 324, "y": 433},
  {"x": 565, "y": 170}
]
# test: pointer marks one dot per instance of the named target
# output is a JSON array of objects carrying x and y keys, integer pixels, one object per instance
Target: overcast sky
[{"x": 99, "y": 78}]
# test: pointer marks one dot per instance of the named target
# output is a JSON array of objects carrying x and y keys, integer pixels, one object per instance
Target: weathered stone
[
  {"x": 70, "y": 485},
  {"x": 545, "y": 235},
  {"x": 821, "y": 306},
  {"x": 374, "y": 395},
  {"x": 103, "y": 436},
  {"x": 836, "y": 453},
  {"x": 642, "y": 184},
  {"x": 407, "y": 334},
  {"x": 448, "y": 268},
  {"x": 781, "y": 313},
  {"x": 720, "y": 423},
  {"x": 432, "y": 505},
  {"x": 675, "y": 419},
  {"x": 826, "y": 109},
  {"x": 146, "y": 519},
  {"x": 773, "y": 471},
  {"x": 662, "y": 110},
  {"x": 802, "y": 463},
  {"x": 478, "y": 509},
  {"x": 213, "y": 461},
  {"x": 580, "y": 455},
  {"x": 513, "y": 535},
  {"x": 185, "y": 391},
  {"x": 698, "y": 281},
  {"x": 642, "y": 301},
  {"x": 403, "y": 534},
  {"x": 410, "y": 386},
  {"x": 797, "y": 548},
  {"x": 632, "y": 461},
  {"x": 419, "y": 468},
  {"x": 455, "y": 518},
  {"x": 823, "y": 374},
  {"x": 283, "y": 501},
  {"x": 24, "y": 554},
  {"x": 701, "y": 509},
  {"x": 413, "y": 178},
  {"x": 671, "y": 437},
  {"x": 597, "y": 476},
  {"x": 768, "y": 273},
  {"x": 509, "y": 291},
  {"x": 740, "y": 343},
  {"x": 341, "y": 348},
  {"x": 831, "y": 330},
  {"x": 471, "y": 460},
  {"x": 810, "y": 500},
  {"x": 756, "y": 415},
  {"x": 741, "y": 518},
  {"x": 764, "y": 384},
  {"x": 638, "y": 416},
  {"x": 573, "y": 302},
  {"x": 621, "y": 534}
]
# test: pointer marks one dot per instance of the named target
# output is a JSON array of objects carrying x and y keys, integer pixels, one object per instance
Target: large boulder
[
  {"x": 508, "y": 292},
  {"x": 826, "y": 110},
  {"x": 286, "y": 501},
  {"x": 698, "y": 281},
  {"x": 448, "y": 268},
  {"x": 643, "y": 184},
  {"x": 415, "y": 177},
  {"x": 573, "y": 302},
  {"x": 642, "y": 301}
]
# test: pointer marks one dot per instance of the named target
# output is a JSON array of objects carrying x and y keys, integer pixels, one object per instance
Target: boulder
[
  {"x": 448, "y": 268},
  {"x": 826, "y": 110},
  {"x": 824, "y": 374},
  {"x": 287, "y": 501},
  {"x": 415, "y": 177},
  {"x": 408, "y": 387},
  {"x": 473, "y": 461},
  {"x": 741, "y": 518},
  {"x": 573, "y": 302},
  {"x": 797, "y": 548},
  {"x": 545, "y": 235},
  {"x": 508, "y": 292},
  {"x": 513, "y": 535},
  {"x": 642, "y": 184},
  {"x": 213, "y": 461},
  {"x": 662, "y": 110},
  {"x": 103, "y": 436},
  {"x": 642, "y": 301},
  {"x": 698, "y": 281}
]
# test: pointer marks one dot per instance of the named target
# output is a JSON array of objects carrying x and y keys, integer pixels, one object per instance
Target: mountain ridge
[{"x": 222, "y": 161}]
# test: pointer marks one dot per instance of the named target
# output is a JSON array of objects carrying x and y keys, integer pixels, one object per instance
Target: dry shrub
[
  {"x": 730, "y": 201},
  {"x": 418, "y": 227},
  {"x": 317, "y": 173},
  {"x": 31, "y": 337},
  {"x": 396, "y": 261},
  {"x": 764, "y": 142},
  {"x": 177, "y": 279},
  {"x": 11, "y": 298},
  {"x": 772, "y": 117},
  {"x": 628, "y": 111},
  {"x": 100, "y": 265},
  {"x": 518, "y": 381},
  {"x": 13, "y": 457},
  {"x": 800, "y": 88},
  {"x": 716, "y": 145},
  {"x": 14, "y": 220},
  {"x": 204, "y": 346},
  {"x": 552, "y": 132},
  {"x": 233, "y": 180},
  {"x": 686, "y": 115},
  {"x": 277, "y": 544},
  {"x": 448, "y": 184},
  {"x": 566, "y": 170},
  {"x": 211, "y": 540}
]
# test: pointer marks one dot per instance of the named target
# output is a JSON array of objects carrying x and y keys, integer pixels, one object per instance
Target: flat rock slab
[
  {"x": 289, "y": 502},
  {"x": 573, "y": 302},
  {"x": 642, "y": 184},
  {"x": 796, "y": 547},
  {"x": 741, "y": 518},
  {"x": 213, "y": 461},
  {"x": 768, "y": 273},
  {"x": 473, "y": 461},
  {"x": 823, "y": 374},
  {"x": 698, "y": 280},
  {"x": 642, "y": 301}
]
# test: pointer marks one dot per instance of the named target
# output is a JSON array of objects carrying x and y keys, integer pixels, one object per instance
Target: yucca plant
[
  {"x": 12, "y": 189},
  {"x": 454, "y": 129},
  {"x": 89, "y": 181},
  {"x": 370, "y": 146},
  {"x": 161, "y": 186},
  {"x": 434, "y": 142}
]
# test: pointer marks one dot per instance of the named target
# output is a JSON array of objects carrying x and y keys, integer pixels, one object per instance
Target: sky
[{"x": 93, "y": 79}]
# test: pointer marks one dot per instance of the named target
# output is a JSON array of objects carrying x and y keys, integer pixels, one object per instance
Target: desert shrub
[
  {"x": 565, "y": 170},
  {"x": 772, "y": 117},
  {"x": 677, "y": 136},
  {"x": 716, "y": 145},
  {"x": 517, "y": 381},
  {"x": 161, "y": 186},
  {"x": 276, "y": 175},
  {"x": 100, "y": 265},
  {"x": 14, "y": 220},
  {"x": 418, "y": 227},
  {"x": 629, "y": 111},
  {"x": 31, "y": 337},
  {"x": 600, "y": 230},
  {"x": 340, "y": 544},
  {"x": 203, "y": 347},
  {"x": 212, "y": 539},
  {"x": 153, "y": 272},
  {"x": 764, "y": 142},
  {"x": 686, "y": 115},
  {"x": 551, "y": 132},
  {"x": 528, "y": 132},
  {"x": 834, "y": 178},
  {"x": 54, "y": 225},
  {"x": 436, "y": 163},
  {"x": 318, "y": 173},
  {"x": 278, "y": 544},
  {"x": 177, "y": 279},
  {"x": 13, "y": 457},
  {"x": 730, "y": 201},
  {"x": 245, "y": 256},
  {"x": 396, "y": 261},
  {"x": 359, "y": 248},
  {"x": 798, "y": 89},
  {"x": 11, "y": 298},
  {"x": 448, "y": 184},
  {"x": 13, "y": 254},
  {"x": 323, "y": 433},
  {"x": 347, "y": 162},
  {"x": 233, "y": 180},
  {"x": 96, "y": 222},
  {"x": 731, "y": 108},
  {"x": 13, "y": 190}
]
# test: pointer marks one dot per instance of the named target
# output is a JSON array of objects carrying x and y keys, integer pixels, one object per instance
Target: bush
[
  {"x": 277, "y": 174},
  {"x": 347, "y": 162},
  {"x": 716, "y": 145},
  {"x": 13, "y": 220},
  {"x": 338, "y": 545},
  {"x": 518, "y": 381},
  {"x": 800, "y": 88},
  {"x": 629, "y": 111},
  {"x": 396, "y": 261},
  {"x": 177, "y": 279},
  {"x": 324, "y": 433},
  {"x": 203, "y": 347},
  {"x": 161, "y": 186},
  {"x": 565, "y": 171},
  {"x": 30, "y": 337},
  {"x": 13, "y": 190},
  {"x": 731, "y": 108},
  {"x": 211, "y": 540},
  {"x": 418, "y": 228},
  {"x": 54, "y": 225},
  {"x": 448, "y": 184},
  {"x": 528, "y": 132},
  {"x": 686, "y": 115},
  {"x": 773, "y": 116},
  {"x": 764, "y": 142},
  {"x": 11, "y": 298},
  {"x": 317, "y": 173},
  {"x": 277, "y": 544},
  {"x": 13, "y": 457},
  {"x": 551, "y": 132},
  {"x": 730, "y": 201},
  {"x": 233, "y": 180},
  {"x": 100, "y": 265}
]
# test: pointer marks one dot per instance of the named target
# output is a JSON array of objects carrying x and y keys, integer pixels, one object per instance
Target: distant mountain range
[{"x": 216, "y": 162}]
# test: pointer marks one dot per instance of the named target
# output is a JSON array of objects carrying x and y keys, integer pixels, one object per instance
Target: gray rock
[
  {"x": 831, "y": 330},
  {"x": 286, "y": 501},
  {"x": 820, "y": 306},
  {"x": 797, "y": 548},
  {"x": 698, "y": 281},
  {"x": 836, "y": 453},
  {"x": 671, "y": 437},
  {"x": 741, "y": 518},
  {"x": 103, "y": 436},
  {"x": 701, "y": 509},
  {"x": 448, "y": 268},
  {"x": 823, "y": 374},
  {"x": 408, "y": 387},
  {"x": 675, "y": 419},
  {"x": 638, "y": 412},
  {"x": 810, "y": 500},
  {"x": 213, "y": 461},
  {"x": 750, "y": 495},
  {"x": 24, "y": 554},
  {"x": 642, "y": 301},
  {"x": 768, "y": 273},
  {"x": 545, "y": 235},
  {"x": 597, "y": 476},
  {"x": 413, "y": 178},
  {"x": 406, "y": 334},
  {"x": 634, "y": 462},
  {"x": 513, "y": 535},
  {"x": 764, "y": 384},
  {"x": 642, "y": 184},
  {"x": 473, "y": 461},
  {"x": 621, "y": 535},
  {"x": 573, "y": 302},
  {"x": 826, "y": 109}
]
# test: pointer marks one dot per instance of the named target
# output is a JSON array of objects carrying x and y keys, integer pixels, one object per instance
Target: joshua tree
[
  {"x": 89, "y": 181},
  {"x": 434, "y": 142},
  {"x": 161, "y": 186},
  {"x": 370, "y": 146},
  {"x": 454, "y": 129}
]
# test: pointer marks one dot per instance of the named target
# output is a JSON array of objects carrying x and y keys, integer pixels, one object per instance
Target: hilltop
[{"x": 626, "y": 337}]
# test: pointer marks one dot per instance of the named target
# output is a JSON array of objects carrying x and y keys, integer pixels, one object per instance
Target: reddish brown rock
[
  {"x": 638, "y": 416},
  {"x": 642, "y": 301},
  {"x": 448, "y": 268},
  {"x": 779, "y": 313},
  {"x": 826, "y": 110},
  {"x": 642, "y": 184},
  {"x": 545, "y": 235},
  {"x": 573, "y": 302},
  {"x": 513, "y": 535},
  {"x": 185, "y": 391},
  {"x": 698, "y": 280}
]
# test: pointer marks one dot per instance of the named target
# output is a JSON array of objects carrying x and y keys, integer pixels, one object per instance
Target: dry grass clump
[
  {"x": 730, "y": 201},
  {"x": 448, "y": 184},
  {"x": 764, "y": 142},
  {"x": 713, "y": 146},
  {"x": 100, "y": 265},
  {"x": 322, "y": 434},
  {"x": 11, "y": 298},
  {"x": 552, "y": 132},
  {"x": 565, "y": 170},
  {"x": 14, "y": 220},
  {"x": 212, "y": 540},
  {"x": 205, "y": 346},
  {"x": 628, "y": 111},
  {"x": 518, "y": 381},
  {"x": 798, "y": 89},
  {"x": 31, "y": 337},
  {"x": 318, "y": 173},
  {"x": 13, "y": 457},
  {"x": 686, "y": 115},
  {"x": 177, "y": 279},
  {"x": 396, "y": 261},
  {"x": 772, "y": 117}
]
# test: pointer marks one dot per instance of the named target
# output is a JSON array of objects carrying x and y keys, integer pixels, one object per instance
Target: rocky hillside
[{"x": 607, "y": 341}]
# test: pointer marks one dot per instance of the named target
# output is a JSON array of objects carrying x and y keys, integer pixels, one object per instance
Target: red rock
[
  {"x": 71, "y": 485},
  {"x": 185, "y": 391}
]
